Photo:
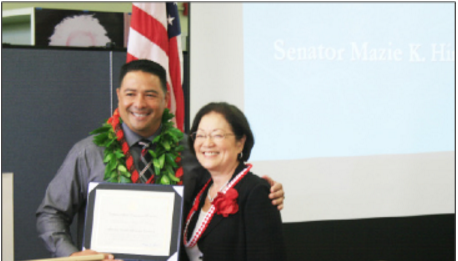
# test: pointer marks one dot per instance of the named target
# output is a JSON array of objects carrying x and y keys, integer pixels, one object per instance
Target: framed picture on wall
[{"x": 78, "y": 28}]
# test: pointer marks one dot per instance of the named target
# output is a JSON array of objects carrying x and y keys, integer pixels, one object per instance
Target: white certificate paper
[{"x": 132, "y": 222}]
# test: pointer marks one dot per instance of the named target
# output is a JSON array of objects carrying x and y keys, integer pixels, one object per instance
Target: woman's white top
[{"x": 194, "y": 253}]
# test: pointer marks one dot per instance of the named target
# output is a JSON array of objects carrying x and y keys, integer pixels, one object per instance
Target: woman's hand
[{"x": 276, "y": 192}]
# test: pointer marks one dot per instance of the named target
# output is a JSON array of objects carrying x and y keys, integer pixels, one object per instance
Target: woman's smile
[{"x": 215, "y": 149}]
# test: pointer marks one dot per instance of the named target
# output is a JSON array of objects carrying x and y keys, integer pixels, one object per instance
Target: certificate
[{"x": 134, "y": 221}]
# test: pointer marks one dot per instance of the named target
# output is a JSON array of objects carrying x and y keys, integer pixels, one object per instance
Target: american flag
[{"x": 155, "y": 34}]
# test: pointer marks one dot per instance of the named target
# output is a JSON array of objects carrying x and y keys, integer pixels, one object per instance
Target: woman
[{"x": 232, "y": 217}]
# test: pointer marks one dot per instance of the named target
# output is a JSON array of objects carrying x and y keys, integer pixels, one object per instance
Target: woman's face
[{"x": 215, "y": 144}]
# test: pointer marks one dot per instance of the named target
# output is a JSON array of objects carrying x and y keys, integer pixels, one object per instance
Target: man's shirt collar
[{"x": 132, "y": 137}]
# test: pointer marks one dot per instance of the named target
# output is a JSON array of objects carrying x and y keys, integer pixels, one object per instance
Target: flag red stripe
[
  {"x": 169, "y": 104},
  {"x": 149, "y": 27},
  {"x": 175, "y": 77},
  {"x": 130, "y": 58}
]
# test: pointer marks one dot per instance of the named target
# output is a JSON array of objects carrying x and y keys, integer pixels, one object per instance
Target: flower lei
[
  {"x": 226, "y": 204},
  {"x": 119, "y": 162}
]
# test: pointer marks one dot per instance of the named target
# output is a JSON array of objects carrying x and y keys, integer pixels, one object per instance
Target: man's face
[{"x": 141, "y": 102}]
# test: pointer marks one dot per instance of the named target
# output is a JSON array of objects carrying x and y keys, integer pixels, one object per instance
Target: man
[{"x": 142, "y": 99}]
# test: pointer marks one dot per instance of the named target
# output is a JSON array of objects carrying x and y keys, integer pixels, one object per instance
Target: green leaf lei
[{"x": 119, "y": 163}]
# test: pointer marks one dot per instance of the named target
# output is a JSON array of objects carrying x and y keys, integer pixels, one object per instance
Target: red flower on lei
[
  {"x": 226, "y": 204},
  {"x": 179, "y": 174},
  {"x": 114, "y": 120}
]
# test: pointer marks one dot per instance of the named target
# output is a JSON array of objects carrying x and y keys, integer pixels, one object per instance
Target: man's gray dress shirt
[{"x": 67, "y": 192}]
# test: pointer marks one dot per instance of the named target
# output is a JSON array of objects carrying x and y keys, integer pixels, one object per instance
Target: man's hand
[
  {"x": 88, "y": 252},
  {"x": 276, "y": 192}
]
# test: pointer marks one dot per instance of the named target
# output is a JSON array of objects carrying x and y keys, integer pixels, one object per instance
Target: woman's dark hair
[
  {"x": 236, "y": 120},
  {"x": 145, "y": 66}
]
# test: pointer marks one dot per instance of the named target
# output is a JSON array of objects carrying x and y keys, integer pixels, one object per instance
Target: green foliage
[
  {"x": 164, "y": 156},
  {"x": 167, "y": 150},
  {"x": 170, "y": 159},
  {"x": 105, "y": 127},
  {"x": 115, "y": 169}
]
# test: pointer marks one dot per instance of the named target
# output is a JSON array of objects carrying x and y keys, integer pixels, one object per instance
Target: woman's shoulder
[{"x": 254, "y": 195}]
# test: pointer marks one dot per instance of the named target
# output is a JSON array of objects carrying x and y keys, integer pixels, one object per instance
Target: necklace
[
  {"x": 120, "y": 166},
  {"x": 211, "y": 198},
  {"x": 211, "y": 212}
]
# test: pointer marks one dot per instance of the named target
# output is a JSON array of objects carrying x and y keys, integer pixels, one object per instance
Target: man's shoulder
[
  {"x": 184, "y": 141},
  {"x": 87, "y": 145}
]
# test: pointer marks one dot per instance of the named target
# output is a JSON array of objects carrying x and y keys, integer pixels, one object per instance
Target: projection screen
[{"x": 351, "y": 104}]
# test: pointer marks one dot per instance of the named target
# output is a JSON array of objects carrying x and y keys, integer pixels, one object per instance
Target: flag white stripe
[
  {"x": 157, "y": 11},
  {"x": 148, "y": 50}
]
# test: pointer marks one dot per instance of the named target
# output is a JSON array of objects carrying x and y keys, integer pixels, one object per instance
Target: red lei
[
  {"x": 120, "y": 166},
  {"x": 226, "y": 205}
]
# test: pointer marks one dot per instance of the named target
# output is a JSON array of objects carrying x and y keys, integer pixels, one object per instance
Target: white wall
[{"x": 216, "y": 73}]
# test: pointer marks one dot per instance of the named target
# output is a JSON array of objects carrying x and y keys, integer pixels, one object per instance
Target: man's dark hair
[
  {"x": 145, "y": 66},
  {"x": 236, "y": 120}
]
